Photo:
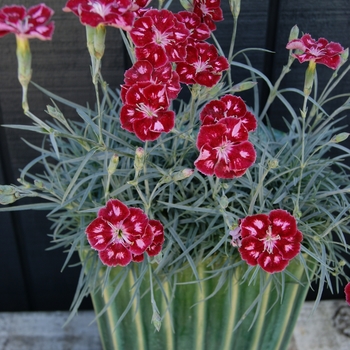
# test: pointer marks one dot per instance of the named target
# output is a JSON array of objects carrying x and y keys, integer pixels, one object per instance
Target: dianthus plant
[{"x": 151, "y": 182}]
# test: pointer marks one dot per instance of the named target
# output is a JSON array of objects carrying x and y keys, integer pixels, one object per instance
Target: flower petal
[
  {"x": 99, "y": 234},
  {"x": 115, "y": 254}
]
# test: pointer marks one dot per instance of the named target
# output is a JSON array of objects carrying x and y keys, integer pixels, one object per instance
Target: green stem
[
  {"x": 230, "y": 53},
  {"x": 296, "y": 212},
  {"x": 273, "y": 92}
]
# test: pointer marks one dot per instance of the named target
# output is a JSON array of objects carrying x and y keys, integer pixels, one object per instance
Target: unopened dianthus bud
[
  {"x": 113, "y": 163},
  {"x": 344, "y": 55},
  {"x": 39, "y": 183},
  {"x": 7, "y": 194},
  {"x": 139, "y": 158},
  {"x": 183, "y": 174},
  {"x": 273, "y": 163},
  {"x": 55, "y": 113},
  {"x": 10, "y": 194},
  {"x": 294, "y": 33},
  {"x": 340, "y": 137},
  {"x": 235, "y": 7},
  {"x": 243, "y": 86},
  {"x": 156, "y": 319},
  {"x": 224, "y": 202}
]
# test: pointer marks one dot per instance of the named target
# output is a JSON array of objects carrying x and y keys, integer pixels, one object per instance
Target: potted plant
[{"x": 197, "y": 223}]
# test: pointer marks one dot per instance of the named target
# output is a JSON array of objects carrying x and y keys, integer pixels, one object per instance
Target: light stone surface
[{"x": 327, "y": 328}]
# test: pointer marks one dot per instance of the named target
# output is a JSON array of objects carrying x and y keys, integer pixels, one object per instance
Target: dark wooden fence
[{"x": 30, "y": 276}]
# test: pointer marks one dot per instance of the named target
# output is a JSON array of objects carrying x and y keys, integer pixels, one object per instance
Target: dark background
[{"x": 30, "y": 276}]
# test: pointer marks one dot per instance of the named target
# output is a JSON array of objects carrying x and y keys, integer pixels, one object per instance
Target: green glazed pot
[{"x": 191, "y": 323}]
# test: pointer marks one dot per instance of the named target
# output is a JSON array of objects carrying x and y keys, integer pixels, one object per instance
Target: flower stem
[{"x": 273, "y": 92}]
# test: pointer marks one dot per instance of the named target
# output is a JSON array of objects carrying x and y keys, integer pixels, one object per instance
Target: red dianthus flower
[
  {"x": 144, "y": 72},
  {"x": 224, "y": 149},
  {"x": 159, "y": 37},
  {"x": 31, "y": 23},
  {"x": 209, "y": 11},
  {"x": 270, "y": 241},
  {"x": 320, "y": 51},
  {"x": 145, "y": 111},
  {"x": 203, "y": 65},
  {"x": 228, "y": 106},
  {"x": 115, "y": 13},
  {"x": 347, "y": 293},
  {"x": 119, "y": 232}
]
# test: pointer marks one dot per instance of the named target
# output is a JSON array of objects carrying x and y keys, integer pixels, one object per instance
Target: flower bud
[
  {"x": 342, "y": 263},
  {"x": 224, "y": 202},
  {"x": 54, "y": 112},
  {"x": 235, "y": 6},
  {"x": 294, "y": 33},
  {"x": 243, "y": 86},
  {"x": 344, "y": 55},
  {"x": 340, "y": 137},
  {"x": 113, "y": 163},
  {"x": 273, "y": 163},
  {"x": 9, "y": 194},
  {"x": 183, "y": 174},
  {"x": 39, "y": 183},
  {"x": 156, "y": 319},
  {"x": 139, "y": 159}
]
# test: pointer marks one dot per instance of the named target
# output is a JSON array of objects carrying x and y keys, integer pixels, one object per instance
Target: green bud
[
  {"x": 224, "y": 202},
  {"x": 39, "y": 183},
  {"x": 340, "y": 137},
  {"x": 316, "y": 239},
  {"x": 10, "y": 194},
  {"x": 235, "y": 6},
  {"x": 342, "y": 263},
  {"x": 243, "y": 86},
  {"x": 273, "y": 163},
  {"x": 344, "y": 56},
  {"x": 54, "y": 112},
  {"x": 183, "y": 174},
  {"x": 294, "y": 33},
  {"x": 156, "y": 320},
  {"x": 139, "y": 159},
  {"x": 113, "y": 163}
]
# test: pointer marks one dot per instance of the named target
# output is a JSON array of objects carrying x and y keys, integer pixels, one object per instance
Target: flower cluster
[
  {"x": 31, "y": 23},
  {"x": 223, "y": 138},
  {"x": 221, "y": 166},
  {"x": 114, "y": 13},
  {"x": 163, "y": 40},
  {"x": 270, "y": 241},
  {"x": 121, "y": 234},
  {"x": 318, "y": 51}
]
